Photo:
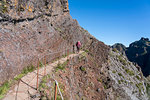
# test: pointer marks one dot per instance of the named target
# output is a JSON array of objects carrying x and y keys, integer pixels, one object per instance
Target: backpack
[{"x": 78, "y": 43}]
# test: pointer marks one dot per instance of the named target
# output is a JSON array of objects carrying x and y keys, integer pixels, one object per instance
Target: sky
[{"x": 113, "y": 21}]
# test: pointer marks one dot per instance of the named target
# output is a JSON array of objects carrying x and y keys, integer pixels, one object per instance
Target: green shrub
[
  {"x": 1, "y": 96},
  {"x": 119, "y": 74},
  {"x": 28, "y": 69},
  {"x": 131, "y": 73},
  {"x": 4, "y": 88},
  {"x": 105, "y": 87},
  {"x": 65, "y": 55},
  {"x": 115, "y": 50},
  {"x": 122, "y": 81},
  {"x": 119, "y": 81},
  {"x": 3, "y": 6},
  {"x": 82, "y": 68},
  {"x": 42, "y": 85},
  {"x": 148, "y": 89},
  {"x": 86, "y": 51},
  {"x": 129, "y": 63},
  {"x": 61, "y": 66},
  {"x": 122, "y": 60},
  {"x": 18, "y": 77},
  {"x": 84, "y": 54},
  {"x": 25, "y": 71},
  {"x": 123, "y": 67},
  {"x": 114, "y": 71},
  {"x": 131, "y": 82},
  {"x": 58, "y": 29},
  {"x": 139, "y": 86},
  {"x": 137, "y": 77},
  {"x": 99, "y": 80},
  {"x": 127, "y": 70}
]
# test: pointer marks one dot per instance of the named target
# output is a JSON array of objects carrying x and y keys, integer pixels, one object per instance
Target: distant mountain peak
[{"x": 144, "y": 39}]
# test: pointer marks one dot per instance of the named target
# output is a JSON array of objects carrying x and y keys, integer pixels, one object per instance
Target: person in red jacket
[{"x": 78, "y": 45}]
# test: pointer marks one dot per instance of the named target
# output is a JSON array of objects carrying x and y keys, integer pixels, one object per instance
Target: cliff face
[{"x": 27, "y": 34}]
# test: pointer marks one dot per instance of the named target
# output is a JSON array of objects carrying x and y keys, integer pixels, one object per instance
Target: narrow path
[{"x": 27, "y": 86}]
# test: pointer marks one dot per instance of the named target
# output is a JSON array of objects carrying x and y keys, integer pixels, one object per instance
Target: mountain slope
[
  {"x": 128, "y": 80},
  {"x": 86, "y": 78},
  {"x": 31, "y": 29}
]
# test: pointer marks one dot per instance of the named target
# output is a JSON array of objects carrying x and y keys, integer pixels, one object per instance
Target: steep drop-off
[{"x": 86, "y": 78}]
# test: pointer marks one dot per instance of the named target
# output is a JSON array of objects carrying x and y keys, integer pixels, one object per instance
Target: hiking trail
[{"x": 26, "y": 87}]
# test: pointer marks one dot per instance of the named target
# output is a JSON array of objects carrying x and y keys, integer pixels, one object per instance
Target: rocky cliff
[
  {"x": 32, "y": 29},
  {"x": 120, "y": 47},
  {"x": 137, "y": 52}
]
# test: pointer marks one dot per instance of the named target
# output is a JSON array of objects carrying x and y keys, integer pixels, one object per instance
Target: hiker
[{"x": 78, "y": 45}]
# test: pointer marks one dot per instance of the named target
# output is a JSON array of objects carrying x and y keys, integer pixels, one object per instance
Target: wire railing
[{"x": 43, "y": 60}]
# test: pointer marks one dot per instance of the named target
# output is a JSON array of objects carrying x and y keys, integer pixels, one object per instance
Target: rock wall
[{"x": 33, "y": 33}]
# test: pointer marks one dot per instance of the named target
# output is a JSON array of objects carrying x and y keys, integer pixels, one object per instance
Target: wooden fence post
[
  {"x": 67, "y": 54},
  {"x": 37, "y": 75},
  {"x": 45, "y": 65},
  {"x": 55, "y": 92},
  {"x": 67, "y": 57}
]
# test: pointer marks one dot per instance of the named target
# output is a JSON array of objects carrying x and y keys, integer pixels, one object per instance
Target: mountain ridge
[{"x": 138, "y": 52}]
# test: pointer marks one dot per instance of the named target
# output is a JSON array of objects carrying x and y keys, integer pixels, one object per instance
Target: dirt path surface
[{"x": 27, "y": 86}]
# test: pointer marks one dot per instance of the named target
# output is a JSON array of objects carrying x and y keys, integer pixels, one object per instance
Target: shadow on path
[{"x": 28, "y": 85}]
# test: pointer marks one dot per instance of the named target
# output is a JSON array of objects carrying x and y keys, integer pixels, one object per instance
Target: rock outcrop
[{"x": 120, "y": 47}]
